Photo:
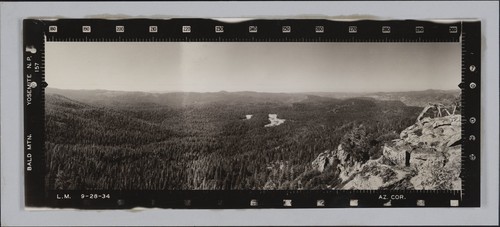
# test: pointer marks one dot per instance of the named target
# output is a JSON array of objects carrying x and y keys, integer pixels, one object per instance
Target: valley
[{"x": 215, "y": 141}]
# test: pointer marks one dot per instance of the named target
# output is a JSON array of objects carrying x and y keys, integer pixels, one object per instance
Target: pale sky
[{"x": 263, "y": 67}]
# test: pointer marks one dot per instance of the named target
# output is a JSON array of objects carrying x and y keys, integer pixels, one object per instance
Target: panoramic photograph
[{"x": 252, "y": 116}]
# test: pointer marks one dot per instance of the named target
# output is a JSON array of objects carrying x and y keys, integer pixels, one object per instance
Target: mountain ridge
[{"x": 410, "y": 98}]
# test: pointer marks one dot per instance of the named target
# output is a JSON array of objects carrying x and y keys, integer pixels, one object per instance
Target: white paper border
[{"x": 12, "y": 184}]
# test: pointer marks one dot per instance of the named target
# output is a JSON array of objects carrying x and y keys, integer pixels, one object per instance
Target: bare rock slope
[{"x": 426, "y": 156}]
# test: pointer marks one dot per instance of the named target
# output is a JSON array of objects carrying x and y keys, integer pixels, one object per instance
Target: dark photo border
[{"x": 37, "y": 32}]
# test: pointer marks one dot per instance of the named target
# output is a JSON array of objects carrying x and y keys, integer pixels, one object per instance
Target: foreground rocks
[{"x": 426, "y": 156}]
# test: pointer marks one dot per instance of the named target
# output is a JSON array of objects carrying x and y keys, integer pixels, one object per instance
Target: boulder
[
  {"x": 375, "y": 175},
  {"x": 346, "y": 164},
  {"x": 323, "y": 159},
  {"x": 396, "y": 154}
]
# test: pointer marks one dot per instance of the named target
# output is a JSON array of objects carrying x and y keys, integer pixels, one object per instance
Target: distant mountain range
[
  {"x": 179, "y": 99},
  {"x": 410, "y": 98}
]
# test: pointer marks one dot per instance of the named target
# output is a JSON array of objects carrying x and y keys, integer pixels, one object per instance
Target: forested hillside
[{"x": 132, "y": 140}]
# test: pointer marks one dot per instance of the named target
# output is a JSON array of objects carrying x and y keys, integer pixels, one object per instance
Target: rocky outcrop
[
  {"x": 323, "y": 160},
  {"x": 344, "y": 162},
  {"x": 426, "y": 156}
]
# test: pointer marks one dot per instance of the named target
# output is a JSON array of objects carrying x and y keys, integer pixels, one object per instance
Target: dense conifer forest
[{"x": 133, "y": 140}]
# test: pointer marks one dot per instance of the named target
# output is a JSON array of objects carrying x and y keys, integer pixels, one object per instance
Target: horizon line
[{"x": 277, "y": 92}]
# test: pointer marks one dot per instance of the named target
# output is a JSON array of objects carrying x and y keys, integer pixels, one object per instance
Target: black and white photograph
[
  {"x": 253, "y": 116},
  {"x": 253, "y": 113}
]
